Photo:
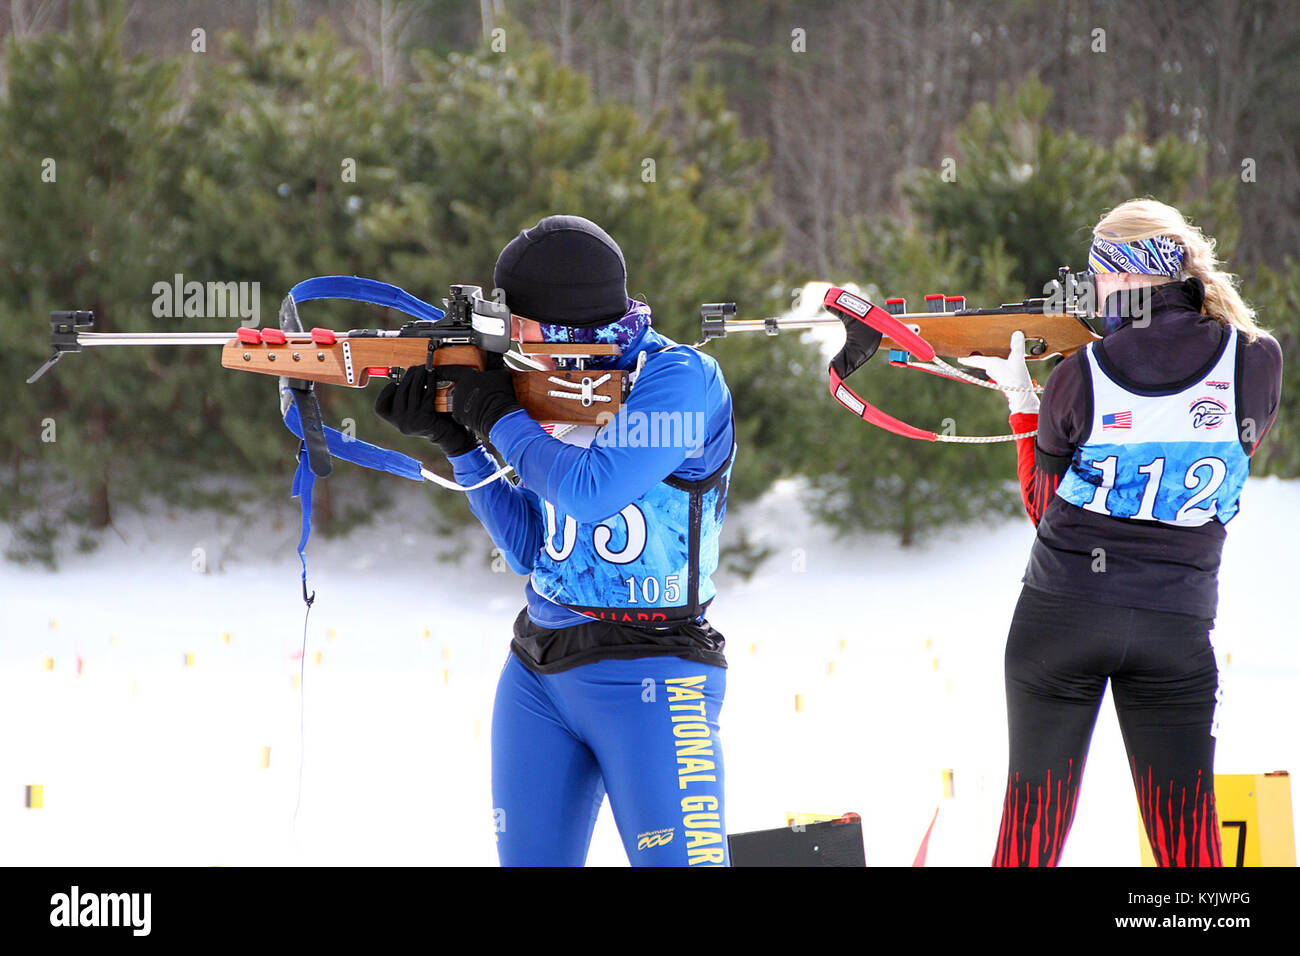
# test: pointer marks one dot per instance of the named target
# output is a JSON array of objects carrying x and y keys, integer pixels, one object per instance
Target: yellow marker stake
[
  {"x": 446, "y": 653},
  {"x": 331, "y": 634},
  {"x": 53, "y": 624},
  {"x": 189, "y": 660},
  {"x": 225, "y": 638},
  {"x": 266, "y": 758},
  {"x": 798, "y": 703},
  {"x": 427, "y": 633},
  {"x": 843, "y": 644},
  {"x": 48, "y": 663},
  {"x": 446, "y": 676},
  {"x": 753, "y": 648},
  {"x": 317, "y": 657},
  {"x": 34, "y": 798},
  {"x": 927, "y": 643},
  {"x": 293, "y": 679},
  {"x": 830, "y": 667},
  {"x": 948, "y": 787},
  {"x": 934, "y": 663},
  {"x": 1227, "y": 658}
]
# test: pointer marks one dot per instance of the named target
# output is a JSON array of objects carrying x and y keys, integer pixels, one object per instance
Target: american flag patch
[{"x": 1117, "y": 420}]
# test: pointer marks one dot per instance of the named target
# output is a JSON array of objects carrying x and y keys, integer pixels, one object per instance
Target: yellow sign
[{"x": 1255, "y": 822}]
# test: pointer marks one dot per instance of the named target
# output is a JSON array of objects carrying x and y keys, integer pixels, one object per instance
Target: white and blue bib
[
  {"x": 1173, "y": 456},
  {"x": 652, "y": 563}
]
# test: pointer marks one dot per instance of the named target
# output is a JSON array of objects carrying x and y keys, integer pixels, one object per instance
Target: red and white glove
[{"x": 1011, "y": 371}]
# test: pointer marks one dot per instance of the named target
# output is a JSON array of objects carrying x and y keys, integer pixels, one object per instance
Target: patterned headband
[
  {"x": 622, "y": 332},
  {"x": 1157, "y": 256}
]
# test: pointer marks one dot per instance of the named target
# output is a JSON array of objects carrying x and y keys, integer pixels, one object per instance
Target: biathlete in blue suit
[{"x": 615, "y": 680}]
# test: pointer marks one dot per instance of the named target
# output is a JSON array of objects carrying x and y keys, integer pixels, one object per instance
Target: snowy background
[{"x": 147, "y": 756}]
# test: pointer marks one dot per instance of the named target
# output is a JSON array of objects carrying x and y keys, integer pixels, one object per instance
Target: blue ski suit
[{"x": 615, "y": 681}]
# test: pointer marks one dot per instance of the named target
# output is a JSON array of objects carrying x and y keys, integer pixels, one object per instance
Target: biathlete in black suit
[{"x": 1143, "y": 446}]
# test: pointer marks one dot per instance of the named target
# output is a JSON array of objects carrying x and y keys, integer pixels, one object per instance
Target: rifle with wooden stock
[
  {"x": 1057, "y": 324},
  {"x": 471, "y": 329}
]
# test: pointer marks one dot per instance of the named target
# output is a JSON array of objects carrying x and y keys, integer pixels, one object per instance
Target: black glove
[
  {"x": 408, "y": 406},
  {"x": 480, "y": 398}
]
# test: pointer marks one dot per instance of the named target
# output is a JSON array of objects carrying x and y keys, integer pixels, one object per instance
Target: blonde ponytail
[{"x": 1145, "y": 218}]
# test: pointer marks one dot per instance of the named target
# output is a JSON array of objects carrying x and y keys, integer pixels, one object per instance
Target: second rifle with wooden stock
[
  {"x": 472, "y": 330},
  {"x": 1061, "y": 322}
]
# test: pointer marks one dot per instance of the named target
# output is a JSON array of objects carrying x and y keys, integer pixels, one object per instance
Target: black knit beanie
[{"x": 565, "y": 270}]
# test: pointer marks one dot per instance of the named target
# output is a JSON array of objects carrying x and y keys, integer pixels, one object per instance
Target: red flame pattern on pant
[
  {"x": 1036, "y": 819},
  {"x": 1182, "y": 826},
  {"x": 1182, "y": 822}
]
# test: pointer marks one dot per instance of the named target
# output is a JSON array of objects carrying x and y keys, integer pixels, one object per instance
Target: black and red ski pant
[{"x": 1060, "y": 652}]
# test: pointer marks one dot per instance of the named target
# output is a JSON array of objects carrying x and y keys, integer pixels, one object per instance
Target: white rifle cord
[
  {"x": 636, "y": 372},
  {"x": 427, "y": 475},
  {"x": 983, "y": 439},
  {"x": 943, "y": 368}
]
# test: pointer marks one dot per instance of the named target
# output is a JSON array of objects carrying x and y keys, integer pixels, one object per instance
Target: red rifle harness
[{"x": 865, "y": 325}]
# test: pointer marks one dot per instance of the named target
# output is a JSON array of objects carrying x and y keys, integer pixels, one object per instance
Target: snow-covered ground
[{"x": 147, "y": 756}]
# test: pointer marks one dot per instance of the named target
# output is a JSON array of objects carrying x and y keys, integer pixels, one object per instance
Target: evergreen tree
[
  {"x": 292, "y": 145},
  {"x": 1275, "y": 296},
  {"x": 1042, "y": 189},
  {"x": 86, "y": 188}
]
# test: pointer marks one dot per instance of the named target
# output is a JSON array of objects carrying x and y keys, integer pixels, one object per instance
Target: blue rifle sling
[
  {"x": 341, "y": 446},
  {"x": 371, "y": 291}
]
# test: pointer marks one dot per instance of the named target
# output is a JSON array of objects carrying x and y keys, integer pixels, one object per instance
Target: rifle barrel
[
  {"x": 198, "y": 338},
  {"x": 787, "y": 323},
  {"x": 961, "y": 333},
  {"x": 781, "y": 322},
  {"x": 89, "y": 339},
  {"x": 817, "y": 321}
]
